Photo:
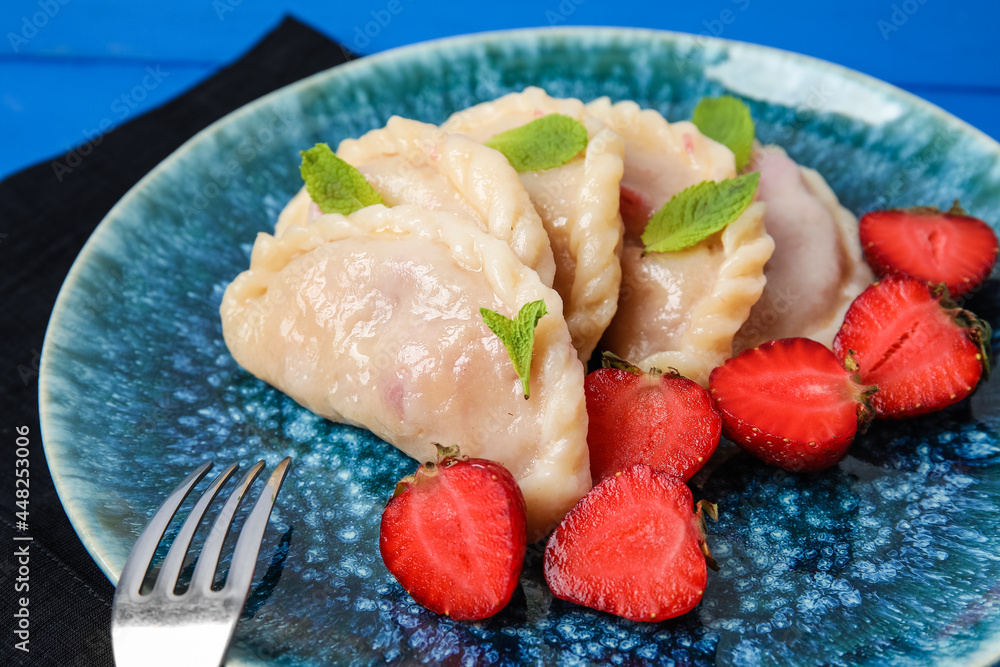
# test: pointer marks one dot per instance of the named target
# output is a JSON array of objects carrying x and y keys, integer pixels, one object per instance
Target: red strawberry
[
  {"x": 922, "y": 351},
  {"x": 633, "y": 546},
  {"x": 454, "y": 535},
  {"x": 926, "y": 243},
  {"x": 665, "y": 421},
  {"x": 790, "y": 403}
]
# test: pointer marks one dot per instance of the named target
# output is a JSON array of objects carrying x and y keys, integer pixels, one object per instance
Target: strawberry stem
[
  {"x": 980, "y": 333},
  {"x": 443, "y": 452},
  {"x": 402, "y": 485},
  {"x": 712, "y": 510},
  {"x": 612, "y": 360}
]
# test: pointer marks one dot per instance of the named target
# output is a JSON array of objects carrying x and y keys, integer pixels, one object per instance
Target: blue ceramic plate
[{"x": 891, "y": 558}]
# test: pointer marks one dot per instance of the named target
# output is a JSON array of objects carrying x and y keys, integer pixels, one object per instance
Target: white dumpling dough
[
  {"x": 578, "y": 203},
  {"x": 817, "y": 268},
  {"x": 373, "y": 320},
  {"x": 409, "y": 162},
  {"x": 679, "y": 309}
]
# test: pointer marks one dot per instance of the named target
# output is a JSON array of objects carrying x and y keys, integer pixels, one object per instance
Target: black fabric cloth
[{"x": 47, "y": 212}]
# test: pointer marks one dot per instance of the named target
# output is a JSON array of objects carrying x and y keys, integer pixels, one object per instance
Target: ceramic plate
[{"x": 890, "y": 558}]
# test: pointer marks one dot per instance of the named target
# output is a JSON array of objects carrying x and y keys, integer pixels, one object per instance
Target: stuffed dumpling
[
  {"x": 373, "y": 319},
  {"x": 679, "y": 309},
  {"x": 409, "y": 162},
  {"x": 817, "y": 268},
  {"x": 578, "y": 203}
]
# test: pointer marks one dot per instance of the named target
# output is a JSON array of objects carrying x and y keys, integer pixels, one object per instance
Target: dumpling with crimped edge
[
  {"x": 578, "y": 203},
  {"x": 661, "y": 158},
  {"x": 679, "y": 309},
  {"x": 373, "y": 320},
  {"x": 817, "y": 268},
  {"x": 409, "y": 162}
]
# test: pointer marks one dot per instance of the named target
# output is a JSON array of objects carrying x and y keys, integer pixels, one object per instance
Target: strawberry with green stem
[
  {"x": 661, "y": 419},
  {"x": 454, "y": 535},
  {"x": 791, "y": 403},
  {"x": 922, "y": 351}
]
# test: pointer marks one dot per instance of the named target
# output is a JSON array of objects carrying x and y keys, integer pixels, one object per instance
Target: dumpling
[
  {"x": 373, "y": 320},
  {"x": 817, "y": 268},
  {"x": 679, "y": 309},
  {"x": 661, "y": 158},
  {"x": 578, "y": 203},
  {"x": 409, "y": 162}
]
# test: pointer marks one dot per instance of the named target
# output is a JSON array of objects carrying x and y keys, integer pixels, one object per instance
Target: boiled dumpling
[
  {"x": 679, "y": 309},
  {"x": 409, "y": 162},
  {"x": 661, "y": 158},
  {"x": 817, "y": 268},
  {"x": 578, "y": 203},
  {"x": 373, "y": 319}
]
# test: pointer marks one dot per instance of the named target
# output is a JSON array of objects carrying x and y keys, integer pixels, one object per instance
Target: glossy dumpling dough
[
  {"x": 679, "y": 309},
  {"x": 817, "y": 268},
  {"x": 578, "y": 203},
  {"x": 373, "y": 320},
  {"x": 409, "y": 162}
]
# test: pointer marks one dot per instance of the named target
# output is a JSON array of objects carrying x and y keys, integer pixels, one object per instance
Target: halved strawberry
[
  {"x": 663, "y": 420},
  {"x": 933, "y": 245},
  {"x": 922, "y": 351},
  {"x": 633, "y": 546},
  {"x": 790, "y": 403},
  {"x": 454, "y": 535}
]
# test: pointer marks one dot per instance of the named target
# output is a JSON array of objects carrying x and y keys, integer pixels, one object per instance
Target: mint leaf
[
  {"x": 698, "y": 212},
  {"x": 727, "y": 120},
  {"x": 550, "y": 141},
  {"x": 517, "y": 335},
  {"x": 333, "y": 184}
]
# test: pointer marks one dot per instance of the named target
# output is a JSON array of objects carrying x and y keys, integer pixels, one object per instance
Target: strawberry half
[
  {"x": 790, "y": 403},
  {"x": 454, "y": 535},
  {"x": 663, "y": 420},
  {"x": 926, "y": 243},
  {"x": 922, "y": 351},
  {"x": 633, "y": 546}
]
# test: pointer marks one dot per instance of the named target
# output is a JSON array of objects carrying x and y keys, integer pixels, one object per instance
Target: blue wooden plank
[
  {"x": 950, "y": 43},
  {"x": 47, "y": 108},
  {"x": 94, "y": 52}
]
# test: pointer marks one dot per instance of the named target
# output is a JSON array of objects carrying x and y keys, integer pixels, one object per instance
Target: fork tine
[
  {"x": 166, "y": 580},
  {"x": 139, "y": 559},
  {"x": 248, "y": 544},
  {"x": 208, "y": 561}
]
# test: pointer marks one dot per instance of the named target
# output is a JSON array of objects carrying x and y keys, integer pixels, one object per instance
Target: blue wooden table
[{"x": 72, "y": 69}]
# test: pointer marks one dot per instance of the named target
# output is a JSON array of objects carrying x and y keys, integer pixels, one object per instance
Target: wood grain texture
[{"x": 65, "y": 63}]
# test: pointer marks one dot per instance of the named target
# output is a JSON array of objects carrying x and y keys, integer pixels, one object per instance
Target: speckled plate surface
[{"x": 891, "y": 558}]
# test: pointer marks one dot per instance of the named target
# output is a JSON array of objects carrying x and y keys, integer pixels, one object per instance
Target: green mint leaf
[
  {"x": 698, "y": 212},
  {"x": 517, "y": 335},
  {"x": 544, "y": 143},
  {"x": 727, "y": 120},
  {"x": 333, "y": 184}
]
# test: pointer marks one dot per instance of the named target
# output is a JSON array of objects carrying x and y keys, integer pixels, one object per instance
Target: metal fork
[{"x": 193, "y": 628}]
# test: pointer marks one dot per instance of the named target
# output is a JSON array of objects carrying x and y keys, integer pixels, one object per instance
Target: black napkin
[{"x": 47, "y": 212}]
